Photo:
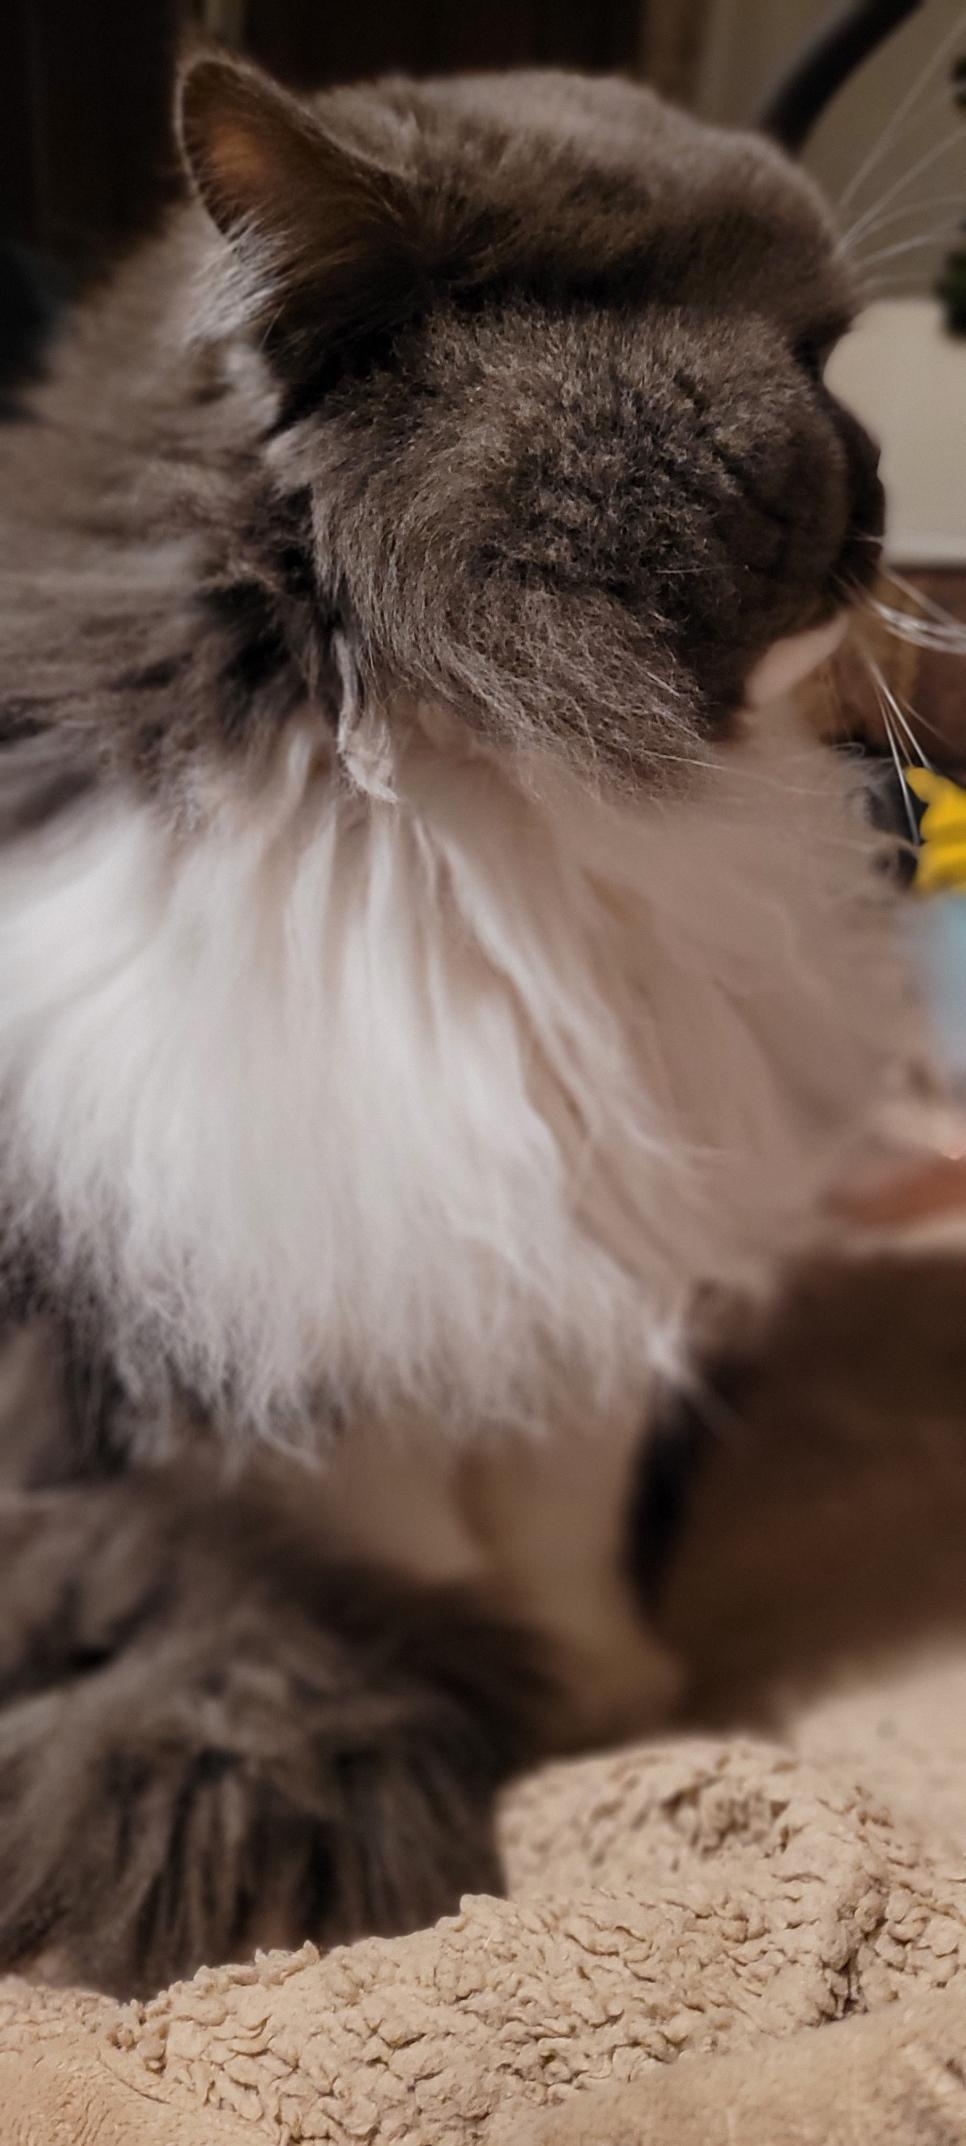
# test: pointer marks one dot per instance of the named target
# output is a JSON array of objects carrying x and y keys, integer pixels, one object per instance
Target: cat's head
[{"x": 549, "y": 360}]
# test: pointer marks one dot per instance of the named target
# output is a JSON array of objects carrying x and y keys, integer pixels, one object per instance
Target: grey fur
[
  {"x": 541, "y": 428},
  {"x": 213, "y": 1737}
]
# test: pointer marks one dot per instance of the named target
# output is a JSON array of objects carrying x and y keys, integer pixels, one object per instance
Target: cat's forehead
[{"x": 596, "y": 185}]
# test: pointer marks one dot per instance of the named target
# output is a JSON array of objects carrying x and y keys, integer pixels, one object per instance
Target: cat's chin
[{"x": 787, "y": 662}]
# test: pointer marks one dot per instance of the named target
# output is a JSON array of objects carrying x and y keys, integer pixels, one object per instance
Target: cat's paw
[{"x": 207, "y": 1744}]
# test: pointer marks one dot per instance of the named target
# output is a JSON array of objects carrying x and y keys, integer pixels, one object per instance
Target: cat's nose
[{"x": 860, "y": 552}]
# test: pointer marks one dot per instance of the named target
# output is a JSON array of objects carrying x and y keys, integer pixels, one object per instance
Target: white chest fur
[{"x": 446, "y": 1101}]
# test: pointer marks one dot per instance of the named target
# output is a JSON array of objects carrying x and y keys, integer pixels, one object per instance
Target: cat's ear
[{"x": 326, "y": 231}]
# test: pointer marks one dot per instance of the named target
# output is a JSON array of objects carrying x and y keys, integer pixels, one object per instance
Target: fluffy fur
[
  {"x": 441, "y": 1100},
  {"x": 418, "y": 976},
  {"x": 318, "y": 1757},
  {"x": 570, "y": 468}
]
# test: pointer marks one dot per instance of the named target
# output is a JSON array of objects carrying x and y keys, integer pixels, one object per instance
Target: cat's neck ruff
[{"x": 442, "y": 1098}]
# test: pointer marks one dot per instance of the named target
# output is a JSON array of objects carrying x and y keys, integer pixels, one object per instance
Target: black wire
[{"x": 802, "y": 92}]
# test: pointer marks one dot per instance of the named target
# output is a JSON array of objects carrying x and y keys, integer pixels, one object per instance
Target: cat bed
[{"x": 692, "y": 1920}]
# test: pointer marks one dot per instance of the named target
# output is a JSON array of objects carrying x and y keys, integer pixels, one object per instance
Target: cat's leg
[
  {"x": 544, "y": 1529},
  {"x": 212, "y": 1739},
  {"x": 540, "y": 1526},
  {"x": 555, "y": 1514}
]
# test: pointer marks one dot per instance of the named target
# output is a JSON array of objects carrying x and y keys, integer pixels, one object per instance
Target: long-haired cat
[{"x": 432, "y": 953}]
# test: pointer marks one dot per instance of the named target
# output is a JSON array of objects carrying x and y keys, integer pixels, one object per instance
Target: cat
[{"x": 433, "y": 952}]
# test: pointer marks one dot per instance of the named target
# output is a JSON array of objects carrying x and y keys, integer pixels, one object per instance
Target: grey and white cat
[{"x": 432, "y": 952}]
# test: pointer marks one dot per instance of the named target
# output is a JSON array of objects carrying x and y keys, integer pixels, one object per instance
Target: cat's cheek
[{"x": 787, "y": 662}]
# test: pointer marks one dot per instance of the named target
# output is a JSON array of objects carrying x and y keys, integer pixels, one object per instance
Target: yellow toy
[{"x": 941, "y": 859}]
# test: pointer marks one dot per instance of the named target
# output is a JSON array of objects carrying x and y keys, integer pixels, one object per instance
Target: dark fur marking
[
  {"x": 212, "y": 1736},
  {"x": 18, "y": 722},
  {"x": 255, "y": 664},
  {"x": 257, "y": 651},
  {"x": 42, "y": 772},
  {"x": 154, "y": 676},
  {"x": 322, "y": 367}
]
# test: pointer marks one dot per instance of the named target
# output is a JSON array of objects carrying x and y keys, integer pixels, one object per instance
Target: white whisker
[
  {"x": 869, "y": 218},
  {"x": 956, "y": 138},
  {"x": 946, "y": 232},
  {"x": 893, "y": 744},
  {"x": 903, "y": 111},
  {"x": 944, "y": 637},
  {"x": 921, "y": 722},
  {"x": 909, "y": 208},
  {"x": 896, "y": 709},
  {"x": 919, "y": 596}
]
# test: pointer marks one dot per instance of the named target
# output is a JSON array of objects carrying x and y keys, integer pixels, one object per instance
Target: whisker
[
  {"x": 955, "y": 138},
  {"x": 906, "y": 793},
  {"x": 893, "y": 744},
  {"x": 909, "y": 208},
  {"x": 910, "y": 720},
  {"x": 944, "y": 636},
  {"x": 922, "y": 723},
  {"x": 928, "y": 631},
  {"x": 945, "y": 232},
  {"x": 882, "y": 284},
  {"x": 871, "y": 218},
  {"x": 896, "y": 709},
  {"x": 904, "y": 110},
  {"x": 919, "y": 596}
]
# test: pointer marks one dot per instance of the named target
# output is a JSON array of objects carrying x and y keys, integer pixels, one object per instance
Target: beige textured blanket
[
  {"x": 693, "y": 1919},
  {"x": 752, "y": 1939}
]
